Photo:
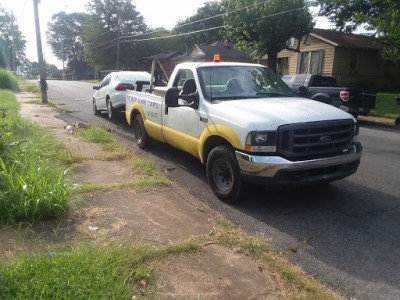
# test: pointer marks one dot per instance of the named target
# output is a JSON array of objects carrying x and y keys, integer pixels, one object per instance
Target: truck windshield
[{"x": 239, "y": 82}]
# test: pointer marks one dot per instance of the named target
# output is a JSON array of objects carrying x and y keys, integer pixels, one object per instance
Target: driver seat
[
  {"x": 234, "y": 86},
  {"x": 189, "y": 87}
]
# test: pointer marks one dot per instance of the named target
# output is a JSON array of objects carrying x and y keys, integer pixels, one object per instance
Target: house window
[{"x": 310, "y": 62}]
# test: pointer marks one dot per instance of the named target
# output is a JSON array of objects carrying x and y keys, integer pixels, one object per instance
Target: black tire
[
  {"x": 142, "y": 139},
  {"x": 95, "y": 110},
  {"x": 223, "y": 174},
  {"x": 397, "y": 121},
  {"x": 110, "y": 110}
]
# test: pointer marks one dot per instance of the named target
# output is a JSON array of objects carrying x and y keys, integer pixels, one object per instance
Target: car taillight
[
  {"x": 124, "y": 87},
  {"x": 344, "y": 96}
]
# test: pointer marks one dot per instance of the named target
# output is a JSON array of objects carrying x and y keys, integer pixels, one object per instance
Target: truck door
[{"x": 182, "y": 126}]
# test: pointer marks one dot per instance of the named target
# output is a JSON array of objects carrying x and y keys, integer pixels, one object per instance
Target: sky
[{"x": 156, "y": 13}]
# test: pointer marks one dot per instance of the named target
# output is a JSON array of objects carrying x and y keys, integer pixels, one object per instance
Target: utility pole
[
  {"x": 42, "y": 67},
  {"x": 118, "y": 29},
  {"x": 62, "y": 54}
]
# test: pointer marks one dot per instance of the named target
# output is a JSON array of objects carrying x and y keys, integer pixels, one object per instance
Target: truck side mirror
[
  {"x": 96, "y": 87},
  {"x": 171, "y": 97}
]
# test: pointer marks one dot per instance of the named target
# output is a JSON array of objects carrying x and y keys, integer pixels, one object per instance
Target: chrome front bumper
[{"x": 269, "y": 167}]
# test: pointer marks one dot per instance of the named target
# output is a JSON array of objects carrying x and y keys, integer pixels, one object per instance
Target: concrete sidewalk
[{"x": 165, "y": 214}]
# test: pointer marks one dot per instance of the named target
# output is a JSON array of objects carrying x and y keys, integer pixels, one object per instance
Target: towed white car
[{"x": 110, "y": 94}]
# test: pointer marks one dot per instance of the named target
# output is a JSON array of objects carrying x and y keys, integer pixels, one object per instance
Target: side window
[
  {"x": 106, "y": 82},
  {"x": 185, "y": 82}
]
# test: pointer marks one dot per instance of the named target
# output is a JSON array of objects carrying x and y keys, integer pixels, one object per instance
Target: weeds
[
  {"x": 97, "y": 135},
  {"x": 31, "y": 174},
  {"x": 8, "y": 81},
  {"x": 86, "y": 272},
  {"x": 140, "y": 184}
]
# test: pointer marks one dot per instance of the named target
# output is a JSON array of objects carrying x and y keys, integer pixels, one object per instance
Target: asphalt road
[{"x": 345, "y": 234}]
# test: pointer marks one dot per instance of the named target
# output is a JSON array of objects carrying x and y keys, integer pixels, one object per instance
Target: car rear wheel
[
  {"x": 223, "y": 174},
  {"x": 95, "y": 110},
  {"x": 110, "y": 109},
  {"x": 141, "y": 137}
]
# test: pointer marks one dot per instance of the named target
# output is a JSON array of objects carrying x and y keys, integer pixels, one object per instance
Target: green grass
[
  {"x": 29, "y": 87},
  {"x": 8, "y": 81},
  {"x": 386, "y": 106},
  {"x": 97, "y": 135},
  {"x": 31, "y": 172},
  {"x": 141, "y": 184},
  {"x": 86, "y": 272}
]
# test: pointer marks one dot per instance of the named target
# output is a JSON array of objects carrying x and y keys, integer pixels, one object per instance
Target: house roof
[
  {"x": 163, "y": 56},
  {"x": 337, "y": 38},
  {"x": 224, "y": 48}
]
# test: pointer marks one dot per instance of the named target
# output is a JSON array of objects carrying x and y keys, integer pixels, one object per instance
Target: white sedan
[{"x": 110, "y": 94}]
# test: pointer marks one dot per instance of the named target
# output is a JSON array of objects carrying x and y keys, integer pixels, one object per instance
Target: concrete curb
[{"x": 377, "y": 121}]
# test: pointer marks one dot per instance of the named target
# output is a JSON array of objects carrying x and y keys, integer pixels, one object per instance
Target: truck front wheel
[
  {"x": 223, "y": 174},
  {"x": 141, "y": 137}
]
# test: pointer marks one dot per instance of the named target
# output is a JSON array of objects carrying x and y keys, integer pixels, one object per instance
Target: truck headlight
[{"x": 261, "y": 141}]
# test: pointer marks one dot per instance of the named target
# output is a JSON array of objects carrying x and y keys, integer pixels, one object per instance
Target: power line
[
  {"x": 197, "y": 31},
  {"x": 23, "y": 9},
  {"x": 185, "y": 24}
]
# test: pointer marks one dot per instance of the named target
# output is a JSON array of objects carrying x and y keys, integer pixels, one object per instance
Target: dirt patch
[
  {"x": 162, "y": 215},
  {"x": 101, "y": 172},
  {"x": 216, "y": 274}
]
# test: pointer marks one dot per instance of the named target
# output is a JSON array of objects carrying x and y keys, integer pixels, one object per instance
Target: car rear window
[
  {"x": 299, "y": 80},
  {"x": 132, "y": 77}
]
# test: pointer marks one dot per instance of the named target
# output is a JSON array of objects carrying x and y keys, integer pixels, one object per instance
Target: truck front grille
[{"x": 315, "y": 139}]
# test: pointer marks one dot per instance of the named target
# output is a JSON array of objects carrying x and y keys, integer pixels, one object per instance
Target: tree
[
  {"x": 161, "y": 40},
  {"x": 65, "y": 37},
  {"x": 381, "y": 16},
  {"x": 113, "y": 25},
  {"x": 265, "y": 28},
  {"x": 12, "y": 43},
  {"x": 203, "y": 19},
  {"x": 52, "y": 71}
]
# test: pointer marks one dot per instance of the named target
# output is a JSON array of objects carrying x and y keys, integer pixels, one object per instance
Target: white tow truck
[{"x": 245, "y": 124}]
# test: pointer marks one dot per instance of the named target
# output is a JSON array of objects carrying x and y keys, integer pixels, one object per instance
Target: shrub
[{"x": 8, "y": 81}]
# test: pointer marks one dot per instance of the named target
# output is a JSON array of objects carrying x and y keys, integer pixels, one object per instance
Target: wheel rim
[
  {"x": 138, "y": 132},
  {"x": 109, "y": 109},
  {"x": 223, "y": 175}
]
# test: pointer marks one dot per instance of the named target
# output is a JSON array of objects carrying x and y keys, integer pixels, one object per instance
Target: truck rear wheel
[
  {"x": 141, "y": 137},
  {"x": 223, "y": 174}
]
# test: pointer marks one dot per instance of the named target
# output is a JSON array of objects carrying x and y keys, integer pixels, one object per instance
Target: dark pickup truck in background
[{"x": 325, "y": 89}]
